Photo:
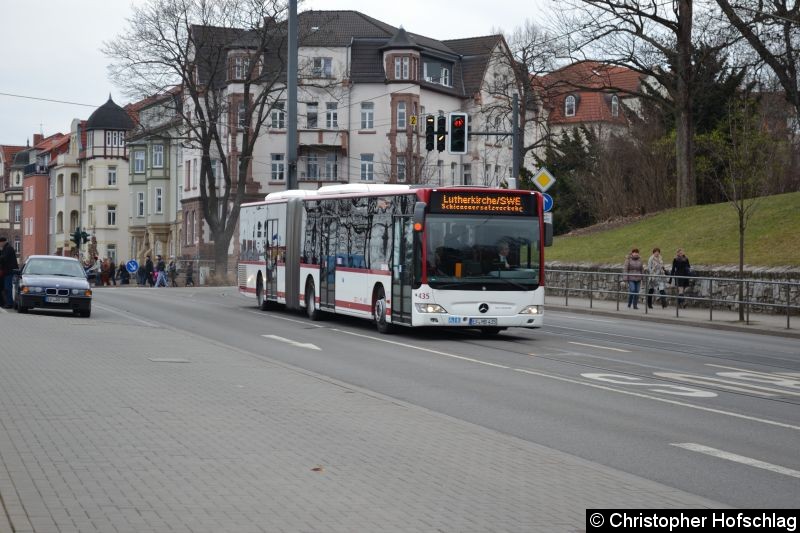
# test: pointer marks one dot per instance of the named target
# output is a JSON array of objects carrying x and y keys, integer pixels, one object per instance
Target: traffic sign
[
  {"x": 548, "y": 218},
  {"x": 413, "y": 120},
  {"x": 132, "y": 266},
  {"x": 543, "y": 179},
  {"x": 548, "y": 202}
]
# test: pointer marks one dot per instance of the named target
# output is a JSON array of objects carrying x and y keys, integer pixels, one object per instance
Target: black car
[{"x": 52, "y": 282}]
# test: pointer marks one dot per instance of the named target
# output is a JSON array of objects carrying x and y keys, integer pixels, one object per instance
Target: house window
[
  {"x": 112, "y": 176},
  {"x": 73, "y": 221},
  {"x": 367, "y": 115},
  {"x": 453, "y": 173},
  {"x": 401, "y": 116},
  {"x": 91, "y": 176},
  {"x": 312, "y": 167},
  {"x": 445, "y": 76},
  {"x": 112, "y": 215},
  {"x": 91, "y": 216},
  {"x": 139, "y": 204},
  {"x": 60, "y": 222},
  {"x": 16, "y": 243},
  {"x": 330, "y": 167},
  {"x": 240, "y": 67},
  {"x": 74, "y": 184},
  {"x": 188, "y": 184},
  {"x": 467, "y": 174},
  {"x": 312, "y": 109},
  {"x": 17, "y": 213},
  {"x": 401, "y": 168},
  {"x": 614, "y": 106},
  {"x": 138, "y": 162},
  {"x": 111, "y": 252},
  {"x": 367, "y": 167},
  {"x": 159, "y": 200},
  {"x": 278, "y": 167},
  {"x": 439, "y": 169},
  {"x": 278, "y": 116},
  {"x": 321, "y": 67},
  {"x": 569, "y": 106},
  {"x": 158, "y": 156},
  {"x": 401, "y": 68},
  {"x": 60, "y": 185},
  {"x": 331, "y": 115},
  {"x": 241, "y": 115}
]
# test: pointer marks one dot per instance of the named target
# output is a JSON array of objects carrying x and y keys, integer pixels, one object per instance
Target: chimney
[{"x": 37, "y": 138}]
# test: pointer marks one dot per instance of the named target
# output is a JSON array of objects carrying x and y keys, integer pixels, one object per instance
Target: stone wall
[{"x": 766, "y": 288}]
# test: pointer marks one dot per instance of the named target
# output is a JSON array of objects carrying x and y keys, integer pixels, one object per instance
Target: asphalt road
[{"x": 710, "y": 412}]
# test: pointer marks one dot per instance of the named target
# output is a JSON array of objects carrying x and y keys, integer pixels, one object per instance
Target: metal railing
[{"x": 742, "y": 295}]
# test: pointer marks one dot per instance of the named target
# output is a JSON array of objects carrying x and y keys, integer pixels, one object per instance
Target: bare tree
[
  {"x": 773, "y": 30},
  {"x": 186, "y": 43}
]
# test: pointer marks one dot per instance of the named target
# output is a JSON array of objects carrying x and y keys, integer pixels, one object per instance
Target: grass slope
[{"x": 708, "y": 233}]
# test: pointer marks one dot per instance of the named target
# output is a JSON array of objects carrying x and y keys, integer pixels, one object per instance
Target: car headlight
[
  {"x": 532, "y": 310},
  {"x": 76, "y": 291},
  {"x": 430, "y": 308}
]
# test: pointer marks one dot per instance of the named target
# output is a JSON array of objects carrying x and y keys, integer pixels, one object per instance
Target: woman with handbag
[
  {"x": 633, "y": 269},
  {"x": 655, "y": 268}
]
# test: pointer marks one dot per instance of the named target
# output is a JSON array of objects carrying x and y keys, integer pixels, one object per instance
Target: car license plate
[
  {"x": 482, "y": 321},
  {"x": 56, "y": 299}
]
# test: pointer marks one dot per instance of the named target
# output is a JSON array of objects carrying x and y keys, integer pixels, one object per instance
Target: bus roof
[{"x": 355, "y": 188}]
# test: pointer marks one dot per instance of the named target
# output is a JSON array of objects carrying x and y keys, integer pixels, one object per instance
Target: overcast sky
[{"x": 51, "y": 49}]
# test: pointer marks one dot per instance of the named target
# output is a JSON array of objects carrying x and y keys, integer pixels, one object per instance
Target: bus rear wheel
[
  {"x": 311, "y": 297},
  {"x": 379, "y": 312}
]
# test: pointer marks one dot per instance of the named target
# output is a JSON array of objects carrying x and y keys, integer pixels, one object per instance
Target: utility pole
[{"x": 291, "y": 99}]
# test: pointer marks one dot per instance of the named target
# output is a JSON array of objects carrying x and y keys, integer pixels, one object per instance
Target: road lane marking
[
  {"x": 583, "y": 383},
  {"x": 128, "y": 316},
  {"x": 601, "y": 347},
  {"x": 304, "y": 322},
  {"x": 298, "y": 344},
  {"x": 726, "y": 384},
  {"x": 623, "y": 336},
  {"x": 587, "y": 319},
  {"x": 666, "y": 388},
  {"x": 437, "y": 352},
  {"x": 765, "y": 378},
  {"x": 699, "y": 448}
]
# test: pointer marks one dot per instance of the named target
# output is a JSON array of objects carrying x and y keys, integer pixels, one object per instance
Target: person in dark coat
[
  {"x": 8, "y": 263},
  {"x": 681, "y": 270},
  {"x": 189, "y": 274},
  {"x": 148, "y": 270}
]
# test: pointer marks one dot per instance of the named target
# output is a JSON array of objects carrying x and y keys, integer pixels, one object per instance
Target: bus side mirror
[
  {"x": 548, "y": 234},
  {"x": 419, "y": 216}
]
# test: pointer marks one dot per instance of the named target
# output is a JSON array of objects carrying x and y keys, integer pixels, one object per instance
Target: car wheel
[
  {"x": 86, "y": 313},
  {"x": 379, "y": 312},
  {"x": 21, "y": 309},
  {"x": 311, "y": 307}
]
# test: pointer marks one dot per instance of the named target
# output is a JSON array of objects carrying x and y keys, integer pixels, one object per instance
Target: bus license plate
[
  {"x": 482, "y": 321},
  {"x": 56, "y": 299}
]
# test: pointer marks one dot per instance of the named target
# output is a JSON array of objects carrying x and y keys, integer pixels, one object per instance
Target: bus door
[
  {"x": 327, "y": 275},
  {"x": 402, "y": 268},
  {"x": 271, "y": 234}
]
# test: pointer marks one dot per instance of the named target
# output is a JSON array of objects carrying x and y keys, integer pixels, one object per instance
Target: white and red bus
[{"x": 399, "y": 255}]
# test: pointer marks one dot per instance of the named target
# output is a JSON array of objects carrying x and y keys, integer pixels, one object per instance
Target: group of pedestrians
[
  {"x": 156, "y": 274},
  {"x": 634, "y": 270}
]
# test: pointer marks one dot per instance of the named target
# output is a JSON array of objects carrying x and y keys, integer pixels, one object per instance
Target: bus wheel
[
  {"x": 491, "y": 332},
  {"x": 261, "y": 302},
  {"x": 379, "y": 312},
  {"x": 311, "y": 308}
]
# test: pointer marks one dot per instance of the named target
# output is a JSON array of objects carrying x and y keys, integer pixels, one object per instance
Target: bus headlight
[
  {"x": 430, "y": 308},
  {"x": 532, "y": 310}
]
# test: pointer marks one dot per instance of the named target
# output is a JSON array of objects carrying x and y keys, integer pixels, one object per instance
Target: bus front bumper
[{"x": 458, "y": 321}]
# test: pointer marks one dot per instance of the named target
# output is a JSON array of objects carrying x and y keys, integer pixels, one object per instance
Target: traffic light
[
  {"x": 458, "y": 133},
  {"x": 76, "y": 236},
  {"x": 441, "y": 133},
  {"x": 430, "y": 133},
  {"x": 84, "y": 237}
]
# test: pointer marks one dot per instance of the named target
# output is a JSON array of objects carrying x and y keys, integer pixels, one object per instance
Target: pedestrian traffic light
[
  {"x": 458, "y": 133},
  {"x": 84, "y": 237},
  {"x": 441, "y": 133},
  {"x": 76, "y": 236},
  {"x": 430, "y": 133}
]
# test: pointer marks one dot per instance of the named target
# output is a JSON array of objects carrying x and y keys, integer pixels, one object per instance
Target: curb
[{"x": 721, "y": 326}]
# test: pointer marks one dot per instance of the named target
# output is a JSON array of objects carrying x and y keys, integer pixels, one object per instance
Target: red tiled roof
[
  {"x": 593, "y": 84},
  {"x": 50, "y": 142}
]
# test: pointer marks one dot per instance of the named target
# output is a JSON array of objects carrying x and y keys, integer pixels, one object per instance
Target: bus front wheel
[{"x": 379, "y": 312}]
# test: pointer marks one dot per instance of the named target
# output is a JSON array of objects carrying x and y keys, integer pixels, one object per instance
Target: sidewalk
[
  {"x": 114, "y": 433},
  {"x": 719, "y": 318}
]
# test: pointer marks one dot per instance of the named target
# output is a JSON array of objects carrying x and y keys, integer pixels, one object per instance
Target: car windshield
[
  {"x": 482, "y": 252},
  {"x": 53, "y": 267}
]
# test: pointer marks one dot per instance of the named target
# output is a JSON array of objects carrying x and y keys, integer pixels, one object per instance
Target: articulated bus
[{"x": 399, "y": 255}]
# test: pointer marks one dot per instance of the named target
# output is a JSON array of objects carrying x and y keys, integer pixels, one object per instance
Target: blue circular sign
[
  {"x": 548, "y": 202},
  {"x": 132, "y": 266}
]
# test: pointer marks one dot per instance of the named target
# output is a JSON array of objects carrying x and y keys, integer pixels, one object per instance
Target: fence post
[
  {"x": 710, "y": 300},
  {"x": 616, "y": 291},
  {"x": 646, "y": 294},
  {"x": 591, "y": 278},
  {"x": 788, "y": 307},
  {"x": 566, "y": 290}
]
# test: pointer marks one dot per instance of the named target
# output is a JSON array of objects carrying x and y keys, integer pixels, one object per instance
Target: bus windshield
[{"x": 482, "y": 252}]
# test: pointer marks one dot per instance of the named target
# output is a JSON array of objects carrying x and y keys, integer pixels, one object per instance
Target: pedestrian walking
[
  {"x": 141, "y": 275},
  {"x": 105, "y": 272},
  {"x": 123, "y": 275},
  {"x": 161, "y": 272},
  {"x": 172, "y": 269},
  {"x": 681, "y": 270},
  {"x": 112, "y": 271},
  {"x": 633, "y": 270},
  {"x": 189, "y": 273},
  {"x": 8, "y": 263},
  {"x": 148, "y": 270},
  {"x": 656, "y": 281}
]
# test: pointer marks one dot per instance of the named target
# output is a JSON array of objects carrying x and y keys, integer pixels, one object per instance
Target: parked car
[{"x": 52, "y": 282}]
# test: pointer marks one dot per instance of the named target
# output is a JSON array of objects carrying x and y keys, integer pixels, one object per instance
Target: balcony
[
  {"x": 322, "y": 138},
  {"x": 34, "y": 168}
]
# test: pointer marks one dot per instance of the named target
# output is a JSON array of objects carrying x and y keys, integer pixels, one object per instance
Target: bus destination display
[{"x": 481, "y": 203}]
